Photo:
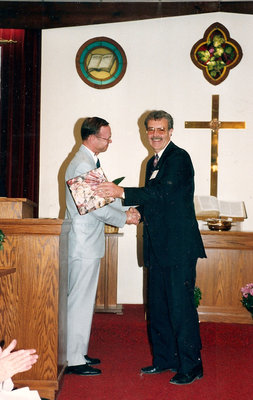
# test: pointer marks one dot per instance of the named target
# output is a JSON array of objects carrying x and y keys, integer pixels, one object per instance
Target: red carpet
[{"x": 121, "y": 343}]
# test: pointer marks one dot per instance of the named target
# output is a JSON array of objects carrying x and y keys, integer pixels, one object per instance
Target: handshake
[{"x": 133, "y": 216}]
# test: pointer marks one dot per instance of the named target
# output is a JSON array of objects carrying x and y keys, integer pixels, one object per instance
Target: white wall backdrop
[{"x": 159, "y": 75}]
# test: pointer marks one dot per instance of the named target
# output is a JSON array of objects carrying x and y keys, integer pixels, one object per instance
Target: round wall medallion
[{"x": 101, "y": 62}]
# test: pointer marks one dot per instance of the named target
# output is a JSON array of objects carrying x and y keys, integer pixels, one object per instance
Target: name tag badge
[{"x": 154, "y": 174}]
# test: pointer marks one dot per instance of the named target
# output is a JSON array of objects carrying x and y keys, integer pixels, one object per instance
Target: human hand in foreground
[
  {"x": 103, "y": 189},
  {"x": 133, "y": 216},
  {"x": 14, "y": 362},
  {"x": 94, "y": 178},
  {"x": 106, "y": 189}
]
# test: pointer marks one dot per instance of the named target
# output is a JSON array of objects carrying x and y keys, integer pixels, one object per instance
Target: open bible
[
  {"x": 101, "y": 62},
  {"x": 210, "y": 207},
  {"x": 83, "y": 195}
]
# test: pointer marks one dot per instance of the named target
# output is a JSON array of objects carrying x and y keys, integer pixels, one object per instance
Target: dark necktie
[
  {"x": 98, "y": 163},
  {"x": 155, "y": 160}
]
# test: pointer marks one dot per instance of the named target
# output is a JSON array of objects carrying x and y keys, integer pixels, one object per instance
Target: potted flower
[
  {"x": 2, "y": 237},
  {"x": 247, "y": 297}
]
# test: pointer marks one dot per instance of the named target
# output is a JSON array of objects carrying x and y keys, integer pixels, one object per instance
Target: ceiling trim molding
[{"x": 46, "y": 15}]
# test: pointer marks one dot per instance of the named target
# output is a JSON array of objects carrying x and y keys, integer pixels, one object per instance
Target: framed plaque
[{"x": 101, "y": 62}]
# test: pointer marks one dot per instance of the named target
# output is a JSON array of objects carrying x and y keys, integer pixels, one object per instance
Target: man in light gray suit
[{"x": 87, "y": 247}]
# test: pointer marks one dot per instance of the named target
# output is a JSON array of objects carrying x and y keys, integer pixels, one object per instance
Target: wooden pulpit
[
  {"x": 220, "y": 277},
  {"x": 33, "y": 297},
  {"x": 16, "y": 208}
]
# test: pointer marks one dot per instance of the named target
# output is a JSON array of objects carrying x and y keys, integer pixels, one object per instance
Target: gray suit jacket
[{"x": 86, "y": 237}]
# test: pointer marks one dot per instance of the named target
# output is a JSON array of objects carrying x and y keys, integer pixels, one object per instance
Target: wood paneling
[
  {"x": 44, "y": 15},
  {"x": 33, "y": 298},
  {"x": 106, "y": 299},
  {"x": 228, "y": 267},
  {"x": 16, "y": 208}
]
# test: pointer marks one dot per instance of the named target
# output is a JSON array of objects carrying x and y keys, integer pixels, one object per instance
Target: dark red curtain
[{"x": 20, "y": 113}]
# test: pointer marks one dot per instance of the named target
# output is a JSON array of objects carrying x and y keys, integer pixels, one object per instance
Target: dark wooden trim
[
  {"x": 44, "y": 15},
  {"x": 231, "y": 240},
  {"x": 239, "y": 7}
]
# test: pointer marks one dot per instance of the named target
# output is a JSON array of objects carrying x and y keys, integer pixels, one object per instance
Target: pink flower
[
  {"x": 247, "y": 289},
  {"x": 247, "y": 296}
]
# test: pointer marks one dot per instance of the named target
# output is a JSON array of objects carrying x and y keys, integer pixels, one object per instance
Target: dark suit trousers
[{"x": 172, "y": 317}]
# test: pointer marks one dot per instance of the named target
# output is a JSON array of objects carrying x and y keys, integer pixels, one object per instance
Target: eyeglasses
[
  {"x": 107, "y": 140},
  {"x": 153, "y": 130}
]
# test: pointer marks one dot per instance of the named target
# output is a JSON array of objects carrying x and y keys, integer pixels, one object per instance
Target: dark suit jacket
[{"x": 167, "y": 208}]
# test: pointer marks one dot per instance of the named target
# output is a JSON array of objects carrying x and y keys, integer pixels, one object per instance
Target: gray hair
[{"x": 159, "y": 115}]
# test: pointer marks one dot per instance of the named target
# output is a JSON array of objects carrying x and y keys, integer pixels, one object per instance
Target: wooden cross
[{"x": 215, "y": 125}]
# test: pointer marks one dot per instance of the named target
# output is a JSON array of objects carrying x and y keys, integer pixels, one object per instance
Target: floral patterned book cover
[{"x": 83, "y": 195}]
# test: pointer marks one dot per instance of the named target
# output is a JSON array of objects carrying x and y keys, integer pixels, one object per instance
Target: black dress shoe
[
  {"x": 155, "y": 370},
  {"x": 83, "y": 369},
  {"x": 186, "y": 379},
  {"x": 91, "y": 361}
]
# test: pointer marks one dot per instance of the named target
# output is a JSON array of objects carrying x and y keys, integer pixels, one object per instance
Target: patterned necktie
[
  {"x": 98, "y": 163},
  {"x": 155, "y": 160}
]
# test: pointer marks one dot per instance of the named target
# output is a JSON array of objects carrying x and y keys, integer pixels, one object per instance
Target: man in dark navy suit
[{"x": 172, "y": 245}]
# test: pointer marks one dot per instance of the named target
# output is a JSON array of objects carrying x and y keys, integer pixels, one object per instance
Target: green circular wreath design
[{"x": 119, "y": 57}]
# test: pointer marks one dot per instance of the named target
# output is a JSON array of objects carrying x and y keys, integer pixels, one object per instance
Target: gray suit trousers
[{"x": 83, "y": 279}]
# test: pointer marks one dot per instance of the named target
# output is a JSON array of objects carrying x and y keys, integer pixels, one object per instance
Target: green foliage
[
  {"x": 118, "y": 180},
  {"x": 216, "y": 54},
  {"x": 248, "y": 303},
  {"x": 219, "y": 51},
  {"x": 203, "y": 55},
  {"x": 215, "y": 67},
  {"x": 218, "y": 40},
  {"x": 230, "y": 51},
  {"x": 197, "y": 296},
  {"x": 2, "y": 237}
]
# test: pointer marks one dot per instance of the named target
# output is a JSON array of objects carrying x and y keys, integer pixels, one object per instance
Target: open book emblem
[{"x": 101, "y": 62}]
